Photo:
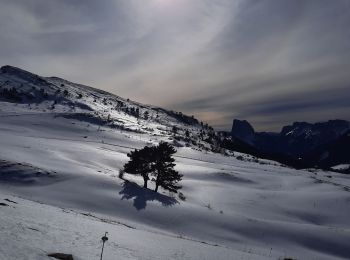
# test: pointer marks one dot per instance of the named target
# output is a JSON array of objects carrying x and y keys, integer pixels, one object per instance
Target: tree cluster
[
  {"x": 11, "y": 94},
  {"x": 189, "y": 120},
  {"x": 156, "y": 162}
]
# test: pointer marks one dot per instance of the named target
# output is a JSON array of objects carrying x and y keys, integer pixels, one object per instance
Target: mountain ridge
[
  {"x": 29, "y": 91},
  {"x": 303, "y": 141}
]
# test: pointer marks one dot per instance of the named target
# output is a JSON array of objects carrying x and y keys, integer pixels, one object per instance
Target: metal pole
[
  {"x": 102, "y": 250},
  {"x": 104, "y": 239}
]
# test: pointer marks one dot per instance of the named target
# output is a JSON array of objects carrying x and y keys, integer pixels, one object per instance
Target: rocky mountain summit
[{"x": 313, "y": 144}]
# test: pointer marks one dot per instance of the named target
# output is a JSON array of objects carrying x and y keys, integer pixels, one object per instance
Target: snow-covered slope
[
  {"x": 30, "y": 230},
  {"x": 61, "y": 168},
  {"x": 31, "y": 93}
]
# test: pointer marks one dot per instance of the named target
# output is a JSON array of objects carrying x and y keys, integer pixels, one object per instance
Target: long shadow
[
  {"x": 24, "y": 174},
  {"x": 141, "y": 195}
]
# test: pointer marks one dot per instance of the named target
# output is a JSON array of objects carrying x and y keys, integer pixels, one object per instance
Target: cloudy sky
[{"x": 270, "y": 62}]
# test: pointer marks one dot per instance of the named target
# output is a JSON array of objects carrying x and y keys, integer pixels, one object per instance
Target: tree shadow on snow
[{"x": 142, "y": 195}]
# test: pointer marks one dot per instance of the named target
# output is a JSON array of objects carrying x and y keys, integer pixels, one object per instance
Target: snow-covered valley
[
  {"x": 60, "y": 190},
  {"x": 233, "y": 209}
]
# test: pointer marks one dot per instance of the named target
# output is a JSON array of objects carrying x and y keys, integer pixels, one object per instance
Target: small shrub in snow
[
  {"x": 61, "y": 256},
  {"x": 146, "y": 115},
  {"x": 240, "y": 157},
  {"x": 182, "y": 196},
  {"x": 208, "y": 206},
  {"x": 29, "y": 96},
  {"x": 174, "y": 129},
  {"x": 176, "y": 143},
  {"x": 121, "y": 174}
]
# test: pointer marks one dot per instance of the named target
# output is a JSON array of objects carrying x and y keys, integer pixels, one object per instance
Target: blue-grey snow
[{"x": 60, "y": 159}]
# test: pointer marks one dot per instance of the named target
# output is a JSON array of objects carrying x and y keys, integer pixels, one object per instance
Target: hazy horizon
[{"x": 268, "y": 62}]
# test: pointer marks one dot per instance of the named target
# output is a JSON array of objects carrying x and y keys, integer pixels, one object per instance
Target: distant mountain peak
[
  {"x": 19, "y": 73},
  {"x": 242, "y": 130},
  {"x": 13, "y": 70},
  {"x": 298, "y": 140}
]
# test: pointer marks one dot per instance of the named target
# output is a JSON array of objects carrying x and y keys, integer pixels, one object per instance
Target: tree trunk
[
  {"x": 145, "y": 182},
  {"x": 157, "y": 181}
]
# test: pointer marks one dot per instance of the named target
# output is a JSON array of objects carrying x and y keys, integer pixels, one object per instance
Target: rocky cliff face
[
  {"x": 243, "y": 131},
  {"x": 317, "y": 143}
]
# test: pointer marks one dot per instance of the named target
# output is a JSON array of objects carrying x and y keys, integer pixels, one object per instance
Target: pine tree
[
  {"x": 146, "y": 115},
  {"x": 156, "y": 161},
  {"x": 140, "y": 163},
  {"x": 174, "y": 129},
  {"x": 163, "y": 168}
]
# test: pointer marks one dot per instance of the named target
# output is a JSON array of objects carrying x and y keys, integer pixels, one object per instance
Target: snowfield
[
  {"x": 63, "y": 175},
  {"x": 60, "y": 189}
]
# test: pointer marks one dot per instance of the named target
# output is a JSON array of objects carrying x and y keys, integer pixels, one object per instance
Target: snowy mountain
[
  {"x": 53, "y": 95},
  {"x": 63, "y": 146},
  {"x": 318, "y": 144}
]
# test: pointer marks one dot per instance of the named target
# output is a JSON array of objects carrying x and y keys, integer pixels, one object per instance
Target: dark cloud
[{"x": 270, "y": 62}]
